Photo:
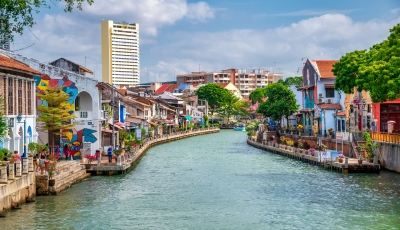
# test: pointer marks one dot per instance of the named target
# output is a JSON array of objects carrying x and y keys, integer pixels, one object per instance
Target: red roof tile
[
  {"x": 343, "y": 113},
  {"x": 172, "y": 87},
  {"x": 223, "y": 85},
  {"x": 325, "y": 68},
  {"x": 162, "y": 88},
  {"x": 10, "y": 63},
  {"x": 330, "y": 106}
]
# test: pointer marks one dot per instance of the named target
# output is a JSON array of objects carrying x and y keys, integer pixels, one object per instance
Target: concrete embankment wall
[
  {"x": 390, "y": 156},
  {"x": 15, "y": 192}
]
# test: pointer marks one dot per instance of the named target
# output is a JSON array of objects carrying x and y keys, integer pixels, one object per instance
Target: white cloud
[
  {"x": 325, "y": 37},
  {"x": 199, "y": 11},
  {"x": 150, "y": 14}
]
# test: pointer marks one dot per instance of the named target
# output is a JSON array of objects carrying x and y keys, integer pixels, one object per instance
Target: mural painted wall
[{"x": 73, "y": 137}]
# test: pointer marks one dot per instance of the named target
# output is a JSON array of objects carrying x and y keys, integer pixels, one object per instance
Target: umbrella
[{"x": 188, "y": 118}]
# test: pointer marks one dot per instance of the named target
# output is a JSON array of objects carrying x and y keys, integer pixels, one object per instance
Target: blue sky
[{"x": 178, "y": 36}]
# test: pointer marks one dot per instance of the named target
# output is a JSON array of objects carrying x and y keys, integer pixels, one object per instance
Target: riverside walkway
[
  {"x": 350, "y": 165},
  {"x": 129, "y": 159}
]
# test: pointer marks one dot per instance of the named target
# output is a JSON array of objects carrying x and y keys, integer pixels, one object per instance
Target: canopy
[{"x": 188, "y": 118}]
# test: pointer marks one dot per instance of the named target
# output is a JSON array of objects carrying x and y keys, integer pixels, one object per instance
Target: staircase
[{"x": 69, "y": 173}]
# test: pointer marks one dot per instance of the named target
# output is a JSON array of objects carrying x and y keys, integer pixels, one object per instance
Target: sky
[{"x": 183, "y": 36}]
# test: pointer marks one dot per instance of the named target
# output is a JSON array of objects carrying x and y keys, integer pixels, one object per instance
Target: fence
[{"x": 386, "y": 137}]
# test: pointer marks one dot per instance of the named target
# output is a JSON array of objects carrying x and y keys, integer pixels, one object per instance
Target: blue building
[{"x": 321, "y": 103}]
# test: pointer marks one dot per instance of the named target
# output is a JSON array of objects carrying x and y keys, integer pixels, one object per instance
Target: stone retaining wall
[{"x": 15, "y": 192}]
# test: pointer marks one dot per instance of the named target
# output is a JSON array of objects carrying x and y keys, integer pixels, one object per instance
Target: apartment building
[
  {"x": 245, "y": 80},
  {"x": 120, "y": 53}
]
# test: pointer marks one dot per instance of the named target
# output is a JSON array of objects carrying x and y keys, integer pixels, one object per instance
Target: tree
[
  {"x": 233, "y": 106},
  {"x": 3, "y": 121},
  {"x": 257, "y": 95},
  {"x": 346, "y": 70},
  {"x": 281, "y": 102},
  {"x": 376, "y": 70},
  {"x": 15, "y": 15},
  {"x": 292, "y": 81},
  {"x": 54, "y": 113},
  {"x": 214, "y": 94}
]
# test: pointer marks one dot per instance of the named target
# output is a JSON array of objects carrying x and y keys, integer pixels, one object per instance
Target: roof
[
  {"x": 169, "y": 96},
  {"x": 330, "y": 106},
  {"x": 162, "y": 88},
  {"x": 172, "y": 87},
  {"x": 183, "y": 87},
  {"x": 305, "y": 86},
  {"x": 325, "y": 67},
  {"x": 343, "y": 113},
  {"x": 121, "y": 91},
  {"x": 223, "y": 85},
  {"x": 12, "y": 64}
]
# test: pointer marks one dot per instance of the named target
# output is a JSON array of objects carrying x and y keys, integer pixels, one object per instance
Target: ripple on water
[{"x": 217, "y": 181}]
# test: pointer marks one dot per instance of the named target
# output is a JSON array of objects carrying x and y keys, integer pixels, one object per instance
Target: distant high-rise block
[{"x": 120, "y": 53}]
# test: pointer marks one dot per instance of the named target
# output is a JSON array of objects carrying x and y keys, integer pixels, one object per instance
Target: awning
[
  {"x": 329, "y": 85},
  {"x": 134, "y": 119},
  {"x": 305, "y": 87},
  {"x": 108, "y": 130},
  {"x": 152, "y": 123},
  {"x": 189, "y": 118}
]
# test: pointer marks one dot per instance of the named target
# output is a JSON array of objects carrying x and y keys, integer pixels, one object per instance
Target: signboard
[
  {"x": 138, "y": 134},
  {"x": 90, "y": 123},
  {"x": 339, "y": 137}
]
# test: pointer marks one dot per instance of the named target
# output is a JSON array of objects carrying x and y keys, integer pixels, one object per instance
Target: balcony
[{"x": 308, "y": 103}]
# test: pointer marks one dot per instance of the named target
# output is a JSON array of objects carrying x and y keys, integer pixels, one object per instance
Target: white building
[
  {"x": 120, "y": 53},
  {"x": 84, "y": 103}
]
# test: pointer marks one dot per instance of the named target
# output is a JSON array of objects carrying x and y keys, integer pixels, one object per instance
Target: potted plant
[
  {"x": 300, "y": 129},
  {"x": 341, "y": 157},
  {"x": 90, "y": 159},
  {"x": 369, "y": 146},
  {"x": 312, "y": 151},
  {"x": 51, "y": 168},
  {"x": 315, "y": 129},
  {"x": 330, "y": 131}
]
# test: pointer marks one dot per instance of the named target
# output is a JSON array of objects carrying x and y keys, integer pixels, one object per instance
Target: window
[
  {"x": 29, "y": 92},
  {"x": 77, "y": 104},
  {"x": 330, "y": 92},
  {"x": 19, "y": 96},
  {"x": 369, "y": 108},
  {"x": 10, "y": 96}
]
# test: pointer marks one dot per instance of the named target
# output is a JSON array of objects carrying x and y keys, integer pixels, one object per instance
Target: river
[{"x": 217, "y": 181}]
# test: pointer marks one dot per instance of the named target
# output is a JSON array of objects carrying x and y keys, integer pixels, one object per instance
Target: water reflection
[{"x": 217, "y": 181}]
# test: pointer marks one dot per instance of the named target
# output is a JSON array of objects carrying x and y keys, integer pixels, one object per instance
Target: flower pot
[
  {"x": 88, "y": 166},
  {"x": 370, "y": 160},
  {"x": 52, "y": 182},
  {"x": 360, "y": 161},
  {"x": 312, "y": 153},
  {"x": 30, "y": 164},
  {"x": 340, "y": 160}
]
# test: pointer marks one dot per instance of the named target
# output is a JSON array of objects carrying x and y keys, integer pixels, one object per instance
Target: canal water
[{"x": 217, "y": 181}]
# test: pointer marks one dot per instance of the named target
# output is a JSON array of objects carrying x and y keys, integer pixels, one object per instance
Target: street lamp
[
  {"x": 24, "y": 158},
  {"x": 19, "y": 118}
]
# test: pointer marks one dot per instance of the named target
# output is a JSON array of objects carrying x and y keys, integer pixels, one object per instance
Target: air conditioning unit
[
  {"x": 320, "y": 95},
  {"x": 329, "y": 101},
  {"x": 321, "y": 100}
]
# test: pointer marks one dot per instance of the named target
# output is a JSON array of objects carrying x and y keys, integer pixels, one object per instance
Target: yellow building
[
  {"x": 359, "y": 112},
  {"x": 120, "y": 53}
]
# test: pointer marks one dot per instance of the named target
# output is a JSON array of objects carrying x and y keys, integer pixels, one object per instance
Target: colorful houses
[{"x": 321, "y": 102}]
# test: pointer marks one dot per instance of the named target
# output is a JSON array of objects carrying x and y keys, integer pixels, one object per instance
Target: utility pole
[{"x": 112, "y": 116}]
